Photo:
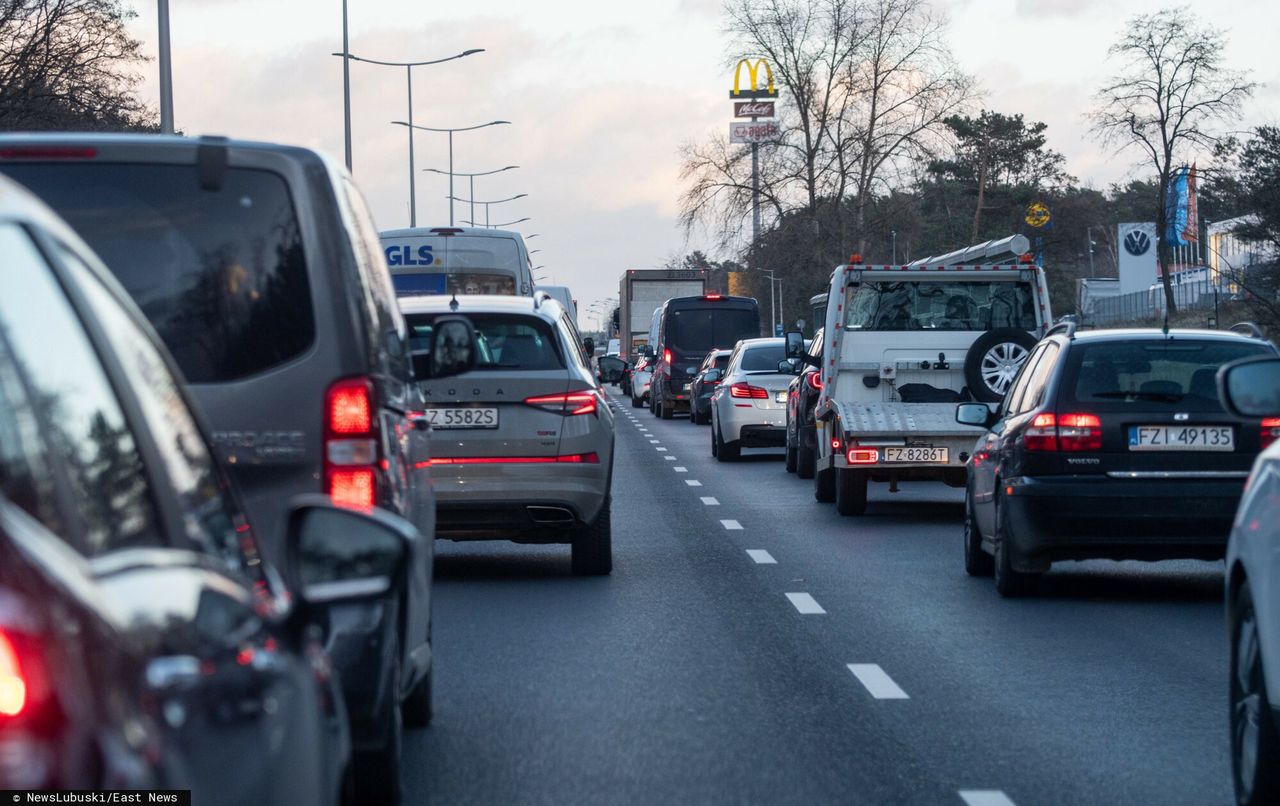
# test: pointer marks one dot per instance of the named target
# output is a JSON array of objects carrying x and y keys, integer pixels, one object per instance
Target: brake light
[
  {"x": 568, "y": 459},
  {"x": 1270, "y": 431},
  {"x": 863, "y": 456},
  {"x": 48, "y": 153},
  {"x": 13, "y": 685},
  {"x": 711, "y": 295},
  {"x": 815, "y": 381},
  {"x": 742, "y": 389},
  {"x": 1068, "y": 433},
  {"x": 568, "y": 404},
  {"x": 666, "y": 357},
  {"x": 1042, "y": 435},
  {"x": 351, "y": 450},
  {"x": 1079, "y": 432}
]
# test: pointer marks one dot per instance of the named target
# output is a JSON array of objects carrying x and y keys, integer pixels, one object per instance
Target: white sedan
[{"x": 749, "y": 406}]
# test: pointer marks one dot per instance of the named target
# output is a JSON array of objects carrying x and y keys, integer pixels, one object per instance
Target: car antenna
[{"x": 453, "y": 303}]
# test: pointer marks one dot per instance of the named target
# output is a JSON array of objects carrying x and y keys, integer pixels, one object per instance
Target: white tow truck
[{"x": 904, "y": 344}]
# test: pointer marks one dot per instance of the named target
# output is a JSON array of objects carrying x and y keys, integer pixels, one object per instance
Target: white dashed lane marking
[
  {"x": 985, "y": 797},
  {"x": 709, "y": 501},
  {"x": 877, "y": 681},
  {"x": 654, "y": 442},
  {"x": 669, "y": 458},
  {"x": 805, "y": 603},
  {"x": 732, "y": 526},
  {"x": 679, "y": 469},
  {"x": 761, "y": 557},
  {"x": 693, "y": 482},
  {"x": 662, "y": 450}
]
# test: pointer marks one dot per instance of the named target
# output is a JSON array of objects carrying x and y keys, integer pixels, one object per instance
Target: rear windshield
[
  {"x": 1175, "y": 373},
  {"x": 220, "y": 274},
  {"x": 419, "y": 284},
  {"x": 764, "y": 358},
  {"x": 932, "y": 305},
  {"x": 698, "y": 330},
  {"x": 505, "y": 342}
]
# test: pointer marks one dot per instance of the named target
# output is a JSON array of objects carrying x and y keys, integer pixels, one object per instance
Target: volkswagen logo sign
[{"x": 1137, "y": 243}]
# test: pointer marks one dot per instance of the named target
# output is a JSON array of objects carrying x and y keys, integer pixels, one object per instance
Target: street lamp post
[
  {"x": 408, "y": 71},
  {"x": 472, "y": 177},
  {"x": 486, "y": 204},
  {"x": 410, "y": 125},
  {"x": 166, "y": 69}
]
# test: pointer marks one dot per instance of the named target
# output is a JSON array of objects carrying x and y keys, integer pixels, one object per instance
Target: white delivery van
[
  {"x": 562, "y": 295},
  {"x": 457, "y": 260}
]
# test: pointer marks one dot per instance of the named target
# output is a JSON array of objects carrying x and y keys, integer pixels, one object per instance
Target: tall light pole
[
  {"x": 486, "y": 204},
  {"x": 408, "y": 72},
  {"x": 409, "y": 124},
  {"x": 166, "y": 69},
  {"x": 472, "y": 177}
]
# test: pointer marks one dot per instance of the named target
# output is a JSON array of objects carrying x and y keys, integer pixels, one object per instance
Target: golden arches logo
[{"x": 753, "y": 75}]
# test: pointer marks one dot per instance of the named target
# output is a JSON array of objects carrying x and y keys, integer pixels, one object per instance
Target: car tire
[
  {"x": 1010, "y": 583},
  {"x": 592, "y": 549},
  {"x": 726, "y": 451},
  {"x": 993, "y": 360},
  {"x": 851, "y": 491},
  {"x": 715, "y": 439},
  {"x": 377, "y": 772},
  {"x": 824, "y": 485},
  {"x": 417, "y": 708},
  {"x": 806, "y": 460},
  {"x": 791, "y": 459},
  {"x": 636, "y": 402},
  {"x": 1255, "y": 746},
  {"x": 665, "y": 411},
  {"x": 977, "y": 563}
]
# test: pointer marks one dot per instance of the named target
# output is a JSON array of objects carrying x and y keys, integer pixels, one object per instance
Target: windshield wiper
[{"x": 1162, "y": 397}]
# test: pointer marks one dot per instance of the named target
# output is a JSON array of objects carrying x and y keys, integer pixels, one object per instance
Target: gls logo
[
  {"x": 1137, "y": 243},
  {"x": 405, "y": 256}
]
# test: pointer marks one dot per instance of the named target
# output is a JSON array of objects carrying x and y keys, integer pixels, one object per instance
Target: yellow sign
[
  {"x": 753, "y": 75},
  {"x": 1037, "y": 215}
]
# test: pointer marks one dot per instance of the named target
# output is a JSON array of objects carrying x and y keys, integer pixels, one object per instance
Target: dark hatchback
[
  {"x": 259, "y": 267},
  {"x": 1109, "y": 444},
  {"x": 144, "y": 640},
  {"x": 704, "y": 383},
  {"x": 802, "y": 399}
]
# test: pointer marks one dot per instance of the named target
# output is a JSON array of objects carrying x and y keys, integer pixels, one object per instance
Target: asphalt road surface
[{"x": 753, "y": 646}]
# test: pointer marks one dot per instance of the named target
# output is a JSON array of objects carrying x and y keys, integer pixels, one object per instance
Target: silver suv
[{"x": 522, "y": 446}]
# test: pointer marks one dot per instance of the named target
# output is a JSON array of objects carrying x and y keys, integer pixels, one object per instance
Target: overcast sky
[{"x": 600, "y": 96}]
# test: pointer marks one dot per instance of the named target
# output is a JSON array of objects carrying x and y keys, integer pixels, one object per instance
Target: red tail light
[
  {"x": 742, "y": 389},
  {"x": 815, "y": 381},
  {"x": 1270, "y": 431},
  {"x": 1069, "y": 433},
  {"x": 567, "y": 404},
  {"x": 711, "y": 295},
  {"x": 13, "y": 685},
  {"x": 351, "y": 451},
  {"x": 568, "y": 459},
  {"x": 1042, "y": 435},
  {"x": 666, "y": 357},
  {"x": 863, "y": 456}
]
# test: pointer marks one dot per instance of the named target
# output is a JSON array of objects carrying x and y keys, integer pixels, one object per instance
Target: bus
[{"x": 457, "y": 260}]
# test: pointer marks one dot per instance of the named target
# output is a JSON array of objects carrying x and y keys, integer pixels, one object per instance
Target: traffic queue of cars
[
  {"x": 217, "y": 463},
  {"x": 1070, "y": 444}
]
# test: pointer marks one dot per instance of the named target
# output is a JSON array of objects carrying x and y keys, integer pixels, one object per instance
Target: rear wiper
[{"x": 1163, "y": 397}]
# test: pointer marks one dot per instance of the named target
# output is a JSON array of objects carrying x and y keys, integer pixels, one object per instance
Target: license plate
[
  {"x": 449, "y": 418},
  {"x": 779, "y": 397},
  {"x": 1181, "y": 438},
  {"x": 926, "y": 456}
]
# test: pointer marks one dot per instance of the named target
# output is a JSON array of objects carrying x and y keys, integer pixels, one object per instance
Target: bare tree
[
  {"x": 1171, "y": 91},
  {"x": 67, "y": 64}
]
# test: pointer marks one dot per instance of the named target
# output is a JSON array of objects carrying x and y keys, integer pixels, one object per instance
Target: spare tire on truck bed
[{"x": 994, "y": 360}]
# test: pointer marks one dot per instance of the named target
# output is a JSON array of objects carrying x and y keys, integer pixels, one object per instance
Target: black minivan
[
  {"x": 261, "y": 270},
  {"x": 688, "y": 329}
]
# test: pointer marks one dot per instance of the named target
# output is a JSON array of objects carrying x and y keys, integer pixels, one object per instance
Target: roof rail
[
  {"x": 540, "y": 297},
  {"x": 1066, "y": 325},
  {"x": 1248, "y": 329}
]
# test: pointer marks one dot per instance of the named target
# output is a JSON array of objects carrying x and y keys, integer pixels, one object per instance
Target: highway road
[{"x": 753, "y": 646}]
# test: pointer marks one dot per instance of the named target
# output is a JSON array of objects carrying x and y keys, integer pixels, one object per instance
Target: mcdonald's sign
[{"x": 753, "y": 75}]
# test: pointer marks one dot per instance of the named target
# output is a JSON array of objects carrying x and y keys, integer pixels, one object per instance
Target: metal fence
[{"x": 1189, "y": 295}]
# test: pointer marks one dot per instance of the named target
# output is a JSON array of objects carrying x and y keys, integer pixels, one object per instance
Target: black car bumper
[
  {"x": 763, "y": 436},
  {"x": 1073, "y": 518}
]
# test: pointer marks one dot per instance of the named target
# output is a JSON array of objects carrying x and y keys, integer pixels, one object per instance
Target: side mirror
[
  {"x": 589, "y": 344},
  {"x": 452, "y": 350},
  {"x": 647, "y": 351},
  {"x": 978, "y": 414},
  {"x": 337, "y": 555},
  {"x": 610, "y": 369},
  {"x": 795, "y": 344},
  {"x": 713, "y": 375},
  {"x": 789, "y": 366},
  {"x": 1251, "y": 387}
]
